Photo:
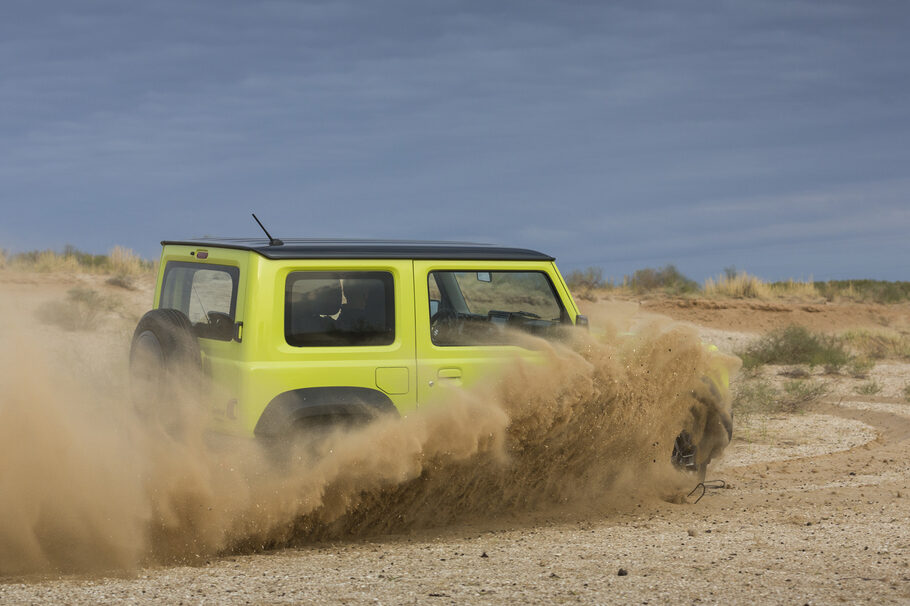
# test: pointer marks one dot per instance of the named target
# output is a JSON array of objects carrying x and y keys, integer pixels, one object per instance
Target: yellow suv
[
  {"x": 305, "y": 329},
  {"x": 301, "y": 333}
]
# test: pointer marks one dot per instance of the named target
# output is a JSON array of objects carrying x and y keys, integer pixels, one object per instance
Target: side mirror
[
  {"x": 582, "y": 321},
  {"x": 484, "y": 276}
]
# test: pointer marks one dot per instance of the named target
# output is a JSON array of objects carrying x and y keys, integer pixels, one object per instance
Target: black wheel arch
[{"x": 290, "y": 408}]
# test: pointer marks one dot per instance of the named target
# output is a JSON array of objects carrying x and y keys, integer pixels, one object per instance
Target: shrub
[
  {"x": 794, "y": 288},
  {"x": 859, "y": 367},
  {"x": 123, "y": 261},
  {"x": 798, "y": 394},
  {"x": 879, "y": 345},
  {"x": 869, "y": 389},
  {"x": 906, "y": 393},
  {"x": 753, "y": 397},
  {"x": 120, "y": 261},
  {"x": 3, "y": 255},
  {"x": 80, "y": 311},
  {"x": 870, "y": 291},
  {"x": 592, "y": 277},
  {"x": 667, "y": 279},
  {"x": 739, "y": 285},
  {"x": 584, "y": 283},
  {"x": 795, "y": 372},
  {"x": 121, "y": 281},
  {"x": 796, "y": 345},
  {"x": 759, "y": 397}
]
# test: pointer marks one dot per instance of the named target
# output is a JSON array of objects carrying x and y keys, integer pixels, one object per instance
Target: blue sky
[{"x": 774, "y": 136}]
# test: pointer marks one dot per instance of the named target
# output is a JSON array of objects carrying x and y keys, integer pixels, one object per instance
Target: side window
[
  {"x": 481, "y": 307},
  {"x": 207, "y": 294},
  {"x": 344, "y": 308}
]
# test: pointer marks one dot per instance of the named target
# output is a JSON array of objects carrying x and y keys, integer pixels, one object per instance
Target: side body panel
[{"x": 273, "y": 367}]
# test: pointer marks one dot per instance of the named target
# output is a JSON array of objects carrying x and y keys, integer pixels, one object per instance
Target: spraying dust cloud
[{"x": 87, "y": 485}]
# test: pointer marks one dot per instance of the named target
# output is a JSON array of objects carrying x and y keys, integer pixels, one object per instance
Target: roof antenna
[{"x": 272, "y": 241}]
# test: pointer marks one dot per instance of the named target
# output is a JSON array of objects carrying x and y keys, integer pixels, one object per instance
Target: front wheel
[{"x": 685, "y": 456}]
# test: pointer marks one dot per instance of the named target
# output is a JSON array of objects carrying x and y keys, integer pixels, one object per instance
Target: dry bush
[
  {"x": 753, "y": 397},
  {"x": 81, "y": 311},
  {"x": 795, "y": 372},
  {"x": 585, "y": 283},
  {"x": 869, "y": 388},
  {"x": 667, "y": 279},
  {"x": 906, "y": 393},
  {"x": 860, "y": 367},
  {"x": 44, "y": 261},
  {"x": 121, "y": 281},
  {"x": 865, "y": 291},
  {"x": 124, "y": 262},
  {"x": 879, "y": 344},
  {"x": 760, "y": 398},
  {"x": 798, "y": 394},
  {"x": 3, "y": 256},
  {"x": 121, "y": 262},
  {"x": 794, "y": 288},
  {"x": 740, "y": 285},
  {"x": 797, "y": 345}
]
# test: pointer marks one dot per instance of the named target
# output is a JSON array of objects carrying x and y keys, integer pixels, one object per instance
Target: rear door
[
  {"x": 471, "y": 317},
  {"x": 339, "y": 323}
]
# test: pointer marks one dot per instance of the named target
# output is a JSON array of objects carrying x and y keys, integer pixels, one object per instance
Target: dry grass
[
  {"x": 760, "y": 397},
  {"x": 860, "y": 367},
  {"x": 81, "y": 311},
  {"x": 119, "y": 261},
  {"x": 45, "y": 261},
  {"x": 739, "y": 286},
  {"x": 742, "y": 285},
  {"x": 797, "y": 345},
  {"x": 591, "y": 284},
  {"x": 879, "y": 344},
  {"x": 796, "y": 289},
  {"x": 124, "y": 262},
  {"x": 869, "y": 388}
]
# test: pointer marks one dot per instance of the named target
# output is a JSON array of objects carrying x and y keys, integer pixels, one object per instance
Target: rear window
[
  {"x": 207, "y": 294},
  {"x": 344, "y": 308}
]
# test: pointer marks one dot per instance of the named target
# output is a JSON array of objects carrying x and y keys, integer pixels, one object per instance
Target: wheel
[
  {"x": 685, "y": 456},
  {"x": 165, "y": 362}
]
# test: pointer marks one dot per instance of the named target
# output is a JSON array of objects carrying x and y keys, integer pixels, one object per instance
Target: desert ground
[{"x": 814, "y": 506}]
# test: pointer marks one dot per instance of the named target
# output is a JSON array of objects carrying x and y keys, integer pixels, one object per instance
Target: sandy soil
[
  {"x": 762, "y": 316},
  {"x": 815, "y": 510}
]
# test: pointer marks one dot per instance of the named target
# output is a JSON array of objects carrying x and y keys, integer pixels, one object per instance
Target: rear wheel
[{"x": 165, "y": 362}]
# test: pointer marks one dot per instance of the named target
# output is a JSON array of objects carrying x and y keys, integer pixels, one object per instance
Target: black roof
[{"x": 369, "y": 249}]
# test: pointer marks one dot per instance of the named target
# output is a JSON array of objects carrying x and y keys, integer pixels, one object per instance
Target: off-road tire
[{"x": 165, "y": 364}]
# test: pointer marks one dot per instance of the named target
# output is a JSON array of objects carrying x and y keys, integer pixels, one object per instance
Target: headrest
[
  {"x": 323, "y": 301},
  {"x": 358, "y": 291}
]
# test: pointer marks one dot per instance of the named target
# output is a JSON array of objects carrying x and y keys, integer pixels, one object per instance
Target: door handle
[
  {"x": 449, "y": 373},
  {"x": 448, "y": 376}
]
